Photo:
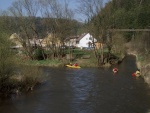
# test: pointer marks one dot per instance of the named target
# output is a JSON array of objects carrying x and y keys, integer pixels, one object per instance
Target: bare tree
[
  {"x": 91, "y": 9},
  {"x": 58, "y": 20},
  {"x": 25, "y": 12}
]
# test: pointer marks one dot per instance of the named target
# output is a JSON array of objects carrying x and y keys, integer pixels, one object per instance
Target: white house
[{"x": 86, "y": 40}]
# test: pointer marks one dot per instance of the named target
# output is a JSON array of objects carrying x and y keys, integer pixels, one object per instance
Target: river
[{"x": 85, "y": 90}]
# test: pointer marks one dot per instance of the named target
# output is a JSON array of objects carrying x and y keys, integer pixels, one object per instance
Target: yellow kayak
[{"x": 71, "y": 66}]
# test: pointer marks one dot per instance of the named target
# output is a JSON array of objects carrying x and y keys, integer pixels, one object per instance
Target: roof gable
[{"x": 83, "y": 35}]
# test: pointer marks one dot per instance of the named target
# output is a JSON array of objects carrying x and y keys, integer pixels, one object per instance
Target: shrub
[
  {"x": 6, "y": 63},
  {"x": 39, "y": 54},
  {"x": 30, "y": 77}
]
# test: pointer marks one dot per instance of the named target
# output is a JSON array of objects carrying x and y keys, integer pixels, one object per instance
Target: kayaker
[
  {"x": 70, "y": 64},
  {"x": 75, "y": 64},
  {"x": 115, "y": 70},
  {"x": 137, "y": 73}
]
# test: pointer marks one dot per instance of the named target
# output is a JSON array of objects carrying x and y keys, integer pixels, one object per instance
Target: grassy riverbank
[
  {"x": 50, "y": 63},
  {"x": 85, "y": 58},
  {"x": 90, "y": 62}
]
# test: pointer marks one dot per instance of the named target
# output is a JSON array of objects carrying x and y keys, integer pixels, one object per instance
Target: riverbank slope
[{"x": 142, "y": 61}]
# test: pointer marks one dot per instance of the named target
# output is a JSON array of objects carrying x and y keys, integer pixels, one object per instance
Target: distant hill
[{"x": 11, "y": 25}]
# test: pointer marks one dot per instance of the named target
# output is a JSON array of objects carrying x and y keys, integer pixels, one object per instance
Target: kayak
[{"x": 71, "y": 66}]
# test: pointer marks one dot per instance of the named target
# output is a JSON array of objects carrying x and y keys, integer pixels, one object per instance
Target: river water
[{"x": 85, "y": 90}]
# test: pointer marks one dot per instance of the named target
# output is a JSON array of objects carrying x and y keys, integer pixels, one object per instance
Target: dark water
[{"x": 85, "y": 90}]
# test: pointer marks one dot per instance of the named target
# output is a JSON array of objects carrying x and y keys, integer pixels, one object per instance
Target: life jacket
[{"x": 75, "y": 64}]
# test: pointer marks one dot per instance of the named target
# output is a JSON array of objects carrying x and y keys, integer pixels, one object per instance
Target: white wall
[{"x": 85, "y": 40}]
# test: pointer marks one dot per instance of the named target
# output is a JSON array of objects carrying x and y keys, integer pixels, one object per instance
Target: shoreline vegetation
[
  {"x": 23, "y": 79},
  {"x": 62, "y": 62}
]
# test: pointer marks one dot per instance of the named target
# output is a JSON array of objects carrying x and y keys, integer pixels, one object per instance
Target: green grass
[
  {"x": 53, "y": 62},
  {"x": 77, "y": 53}
]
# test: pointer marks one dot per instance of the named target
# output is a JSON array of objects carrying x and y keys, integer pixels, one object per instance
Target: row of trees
[
  {"x": 22, "y": 18},
  {"x": 56, "y": 19},
  {"x": 9, "y": 75}
]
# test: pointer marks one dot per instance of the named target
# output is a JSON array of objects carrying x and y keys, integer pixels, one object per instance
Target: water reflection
[{"x": 85, "y": 90}]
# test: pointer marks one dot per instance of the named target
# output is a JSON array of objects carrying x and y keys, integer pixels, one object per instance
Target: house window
[{"x": 90, "y": 38}]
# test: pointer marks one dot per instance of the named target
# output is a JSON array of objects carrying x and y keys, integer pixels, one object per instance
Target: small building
[
  {"x": 71, "y": 41},
  {"x": 16, "y": 41},
  {"x": 85, "y": 41},
  {"x": 50, "y": 40},
  {"x": 34, "y": 42}
]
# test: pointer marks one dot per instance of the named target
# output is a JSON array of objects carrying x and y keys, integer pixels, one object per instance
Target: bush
[
  {"x": 12, "y": 78},
  {"x": 39, "y": 54},
  {"x": 6, "y": 63},
  {"x": 30, "y": 77}
]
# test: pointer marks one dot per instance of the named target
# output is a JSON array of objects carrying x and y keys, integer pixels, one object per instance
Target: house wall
[
  {"x": 99, "y": 45},
  {"x": 85, "y": 40},
  {"x": 71, "y": 42}
]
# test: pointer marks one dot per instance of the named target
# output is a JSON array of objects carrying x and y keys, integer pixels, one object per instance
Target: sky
[{"x": 5, "y": 4}]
